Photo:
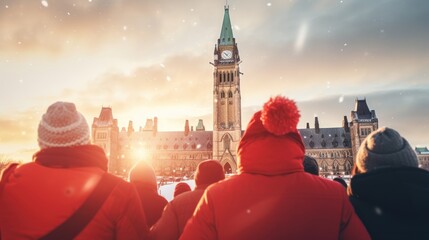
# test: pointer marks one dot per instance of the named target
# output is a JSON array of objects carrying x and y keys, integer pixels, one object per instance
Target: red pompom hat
[{"x": 271, "y": 144}]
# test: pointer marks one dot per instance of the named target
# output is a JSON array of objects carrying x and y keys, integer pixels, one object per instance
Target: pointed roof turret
[
  {"x": 362, "y": 109},
  {"x": 226, "y": 36}
]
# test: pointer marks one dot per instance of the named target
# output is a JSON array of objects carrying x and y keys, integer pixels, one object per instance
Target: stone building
[
  {"x": 177, "y": 153},
  {"x": 423, "y": 156}
]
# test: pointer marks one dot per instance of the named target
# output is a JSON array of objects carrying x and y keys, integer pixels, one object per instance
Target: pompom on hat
[
  {"x": 62, "y": 126},
  {"x": 385, "y": 148},
  {"x": 271, "y": 143}
]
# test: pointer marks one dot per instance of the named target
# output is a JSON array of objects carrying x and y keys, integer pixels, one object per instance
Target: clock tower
[{"x": 226, "y": 98}]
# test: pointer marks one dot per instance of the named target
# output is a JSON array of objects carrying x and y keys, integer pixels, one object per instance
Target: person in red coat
[
  {"x": 179, "y": 210},
  {"x": 272, "y": 197},
  {"x": 37, "y": 197},
  {"x": 143, "y": 177}
]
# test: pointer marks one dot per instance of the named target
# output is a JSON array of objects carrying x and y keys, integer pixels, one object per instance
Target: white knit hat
[{"x": 62, "y": 126}]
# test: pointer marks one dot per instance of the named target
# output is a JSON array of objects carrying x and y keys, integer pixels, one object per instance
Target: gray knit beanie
[{"x": 385, "y": 148}]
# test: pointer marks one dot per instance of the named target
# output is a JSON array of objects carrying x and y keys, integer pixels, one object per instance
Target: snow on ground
[{"x": 167, "y": 190}]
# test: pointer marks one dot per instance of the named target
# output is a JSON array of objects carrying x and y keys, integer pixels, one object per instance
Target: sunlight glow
[{"x": 140, "y": 154}]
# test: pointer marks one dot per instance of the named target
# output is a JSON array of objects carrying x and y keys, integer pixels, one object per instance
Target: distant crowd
[{"x": 66, "y": 192}]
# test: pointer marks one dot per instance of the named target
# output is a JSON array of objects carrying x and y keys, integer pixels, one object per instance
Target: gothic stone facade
[{"x": 178, "y": 153}]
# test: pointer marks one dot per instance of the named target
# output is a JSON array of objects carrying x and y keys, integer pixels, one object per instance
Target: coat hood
[
  {"x": 264, "y": 149},
  {"x": 402, "y": 191}
]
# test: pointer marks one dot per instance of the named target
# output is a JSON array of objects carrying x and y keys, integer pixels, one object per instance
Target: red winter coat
[
  {"x": 38, "y": 198},
  {"x": 273, "y": 198}
]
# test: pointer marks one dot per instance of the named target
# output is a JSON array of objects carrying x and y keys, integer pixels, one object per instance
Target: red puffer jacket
[
  {"x": 37, "y": 198},
  {"x": 272, "y": 197}
]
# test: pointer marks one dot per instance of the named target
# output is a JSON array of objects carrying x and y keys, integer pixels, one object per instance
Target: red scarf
[{"x": 70, "y": 157}]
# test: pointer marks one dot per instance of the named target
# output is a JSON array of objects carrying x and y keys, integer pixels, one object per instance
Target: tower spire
[{"x": 226, "y": 36}]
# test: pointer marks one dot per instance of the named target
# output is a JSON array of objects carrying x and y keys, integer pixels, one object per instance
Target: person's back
[
  {"x": 388, "y": 190},
  {"x": 37, "y": 197},
  {"x": 142, "y": 176},
  {"x": 272, "y": 197},
  {"x": 175, "y": 215}
]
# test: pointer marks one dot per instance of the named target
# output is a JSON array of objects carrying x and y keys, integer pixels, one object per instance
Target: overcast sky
[{"x": 151, "y": 58}]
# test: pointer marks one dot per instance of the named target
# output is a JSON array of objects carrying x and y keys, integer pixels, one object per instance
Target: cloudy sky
[{"x": 151, "y": 58}]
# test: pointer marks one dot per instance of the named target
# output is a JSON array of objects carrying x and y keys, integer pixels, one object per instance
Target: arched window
[
  {"x": 230, "y": 94},
  {"x": 227, "y": 168},
  {"x": 222, "y": 94},
  {"x": 224, "y": 77}
]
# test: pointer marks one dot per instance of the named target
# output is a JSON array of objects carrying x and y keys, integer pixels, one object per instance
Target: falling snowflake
[
  {"x": 328, "y": 84},
  {"x": 341, "y": 99},
  {"x": 236, "y": 27},
  {"x": 125, "y": 27},
  {"x": 162, "y": 65},
  {"x": 345, "y": 44},
  {"x": 191, "y": 9},
  {"x": 44, "y": 3},
  {"x": 198, "y": 146},
  {"x": 269, "y": 4},
  {"x": 378, "y": 211},
  {"x": 168, "y": 78},
  {"x": 68, "y": 13},
  {"x": 6, "y": 6},
  {"x": 89, "y": 0}
]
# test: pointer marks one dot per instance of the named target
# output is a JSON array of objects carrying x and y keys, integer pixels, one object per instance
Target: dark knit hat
[
  {"x": 341, "y": 181},
  {"x": 271, "y": 143},
  {"x": 208, "y": 172},
  {"x": 181, "y": 187},
  {"x": 311, "y": 166},
  {"x": 62, "y": 126},
  {"x": 143, "y": 173},
  {"x": 385, "y": 148}
]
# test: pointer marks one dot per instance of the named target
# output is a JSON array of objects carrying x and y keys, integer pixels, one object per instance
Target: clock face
[{"x": 226, "y": 54}]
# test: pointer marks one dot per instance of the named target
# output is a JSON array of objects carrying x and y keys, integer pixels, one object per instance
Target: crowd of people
[{"x": 66, "y": 192}]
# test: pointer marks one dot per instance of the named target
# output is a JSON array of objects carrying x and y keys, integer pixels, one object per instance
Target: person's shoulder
[
  {"x": 187, "y": 196},
  {"x": 123, "y": 188}
]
